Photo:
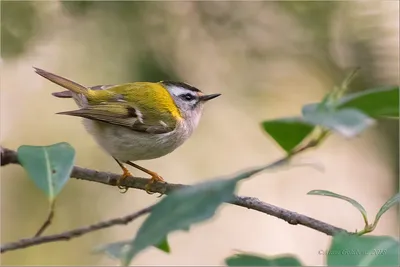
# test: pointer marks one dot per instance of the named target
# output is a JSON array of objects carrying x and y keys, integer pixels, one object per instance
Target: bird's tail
[{"x": 79, "y": 92}]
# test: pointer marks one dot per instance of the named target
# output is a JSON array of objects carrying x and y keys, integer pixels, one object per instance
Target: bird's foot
[
  {"x": 154, "y": 178},
  {"x": 123, "y": 189}
]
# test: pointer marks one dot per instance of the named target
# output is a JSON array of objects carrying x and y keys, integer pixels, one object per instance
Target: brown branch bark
[
  {"x": 28, "y": 242},
  {"x": 10, "y": 157}
]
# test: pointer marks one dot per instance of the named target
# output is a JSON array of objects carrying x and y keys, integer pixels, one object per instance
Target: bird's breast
[{"x": 125, "y": 144}]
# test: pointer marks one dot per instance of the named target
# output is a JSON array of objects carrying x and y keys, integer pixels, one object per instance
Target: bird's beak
[{"x": 205, "y": 98}]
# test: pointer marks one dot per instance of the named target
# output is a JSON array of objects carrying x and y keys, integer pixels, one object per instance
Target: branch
[
  {"x": 10, "y": 157},
  {"x": 28, "y": 242}
]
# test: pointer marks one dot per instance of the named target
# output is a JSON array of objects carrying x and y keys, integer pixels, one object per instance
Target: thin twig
[
  {"x": 28, "y": 242},
  {"x": 48, "y": 220},
  {"x": 10, "y": 157}
]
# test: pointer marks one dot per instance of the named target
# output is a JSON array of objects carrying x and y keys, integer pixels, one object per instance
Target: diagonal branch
[
  {"x": 37, "y": 240},
  {"x": 10, "y": 157}
]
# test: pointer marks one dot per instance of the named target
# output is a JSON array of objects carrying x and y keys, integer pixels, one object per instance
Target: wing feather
[
  {"x": 118, "y": 108},
  {"x": 121, "y": 115}
]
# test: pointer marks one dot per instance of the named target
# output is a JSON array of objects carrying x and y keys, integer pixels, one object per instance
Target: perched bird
[{"x": 135, "y": 121}]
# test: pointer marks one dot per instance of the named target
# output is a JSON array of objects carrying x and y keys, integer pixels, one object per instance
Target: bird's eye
[{"x": 187, "y": 97}]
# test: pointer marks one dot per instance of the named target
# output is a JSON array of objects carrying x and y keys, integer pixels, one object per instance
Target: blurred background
[{"x": 266, "y": 58}]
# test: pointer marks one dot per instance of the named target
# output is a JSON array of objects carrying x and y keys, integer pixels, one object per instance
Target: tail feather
[
  {"x": 68, "y": 84},
  {"x": 68, "y": 94},
  {"x": 78, "y": 92},
  {"x": 63, "y": 94}
]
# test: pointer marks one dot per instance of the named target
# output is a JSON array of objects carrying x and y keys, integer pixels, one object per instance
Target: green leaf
[
  {"x": 118, "y": 250},
  {"x": 164, "y": 245},
  {"x": 48, "y": 166},
  {"x": 350, "y": 200},
  {"x": 348, "y": 122},
  {"x": 179, "y": 210},
  {"x": 352, "y": 250},
  {"x": 253, "y": 260},
  {"x": 187, "y": 206},
  {"x": 288, "y": 132},
  {"x": 390, "y": 203},
  {"x": 313, "y": 107},
  {"x": 374, "y": 102}
]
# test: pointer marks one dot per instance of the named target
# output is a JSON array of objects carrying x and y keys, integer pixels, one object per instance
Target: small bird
[{"x": 135, "y": 121}]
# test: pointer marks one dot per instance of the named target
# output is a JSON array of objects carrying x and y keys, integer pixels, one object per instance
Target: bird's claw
[
  {"x": 123, "y": 189},
  {"x": 154, "y": 178}
]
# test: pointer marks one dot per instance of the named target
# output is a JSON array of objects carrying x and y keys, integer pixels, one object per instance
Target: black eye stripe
[{"x": 187, "y": 97}]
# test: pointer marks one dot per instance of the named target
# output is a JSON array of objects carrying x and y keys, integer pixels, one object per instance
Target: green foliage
[
  {"x": 150, "y": 69},
  {"x": 390, "y": 203},
  {"x": 48, "y": 166},
  {"x": 179, "y": 211},
  {"x": 345, "y": 250},
  {"x": 119, "y": 9},
  {"x": 350, "y": 200},
  {"x": 368, "y": 227},
  {"x": 381, "y": 102},
  {"x": 347, "y": 122},
  {"x": 116, "y": 250},
  {"x": 18, "y": 25},
  {"x": 288, "y": 132},
  {"x": 183, "y": 208},
  {"x": 349, "y": 115},
  {"x": 77, "y": 8},
  {"x": 164, "y": 245},
  {"x": 119, "y": 249},
  {"x": 254, "y": 260},
  {"x": 351, "y": 250}
]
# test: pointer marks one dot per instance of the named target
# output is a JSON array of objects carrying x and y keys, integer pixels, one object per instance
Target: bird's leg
[
  {"x": 126, "y": 174},
  {"x": 154, "y": 176}
]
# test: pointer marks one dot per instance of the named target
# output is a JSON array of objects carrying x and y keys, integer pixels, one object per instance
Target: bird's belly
[{"x": 125, "y": 144}]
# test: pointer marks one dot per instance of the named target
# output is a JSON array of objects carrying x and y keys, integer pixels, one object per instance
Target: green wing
[{"x": 116, "y": 110}]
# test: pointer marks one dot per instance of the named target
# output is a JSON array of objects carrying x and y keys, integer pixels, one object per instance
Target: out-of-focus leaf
[
  {"x": 376, "y": 103},
  {"x": 352, "y": 250},
  {"x": 390, "y": 203},
  {"x": 117, "y": 250},
  {"x": 77, "y": 8},
  {"x": 350, "y": 200},
  {"x": 310, "y": 108},
  {"x": 381, "y": 102},
  {"x": 48, "y": 166},
  {"x": 179, "y": 211},
  {"x": 150, "y": 69},
  {"x": 187, "y": 206},
  {"x": 19, "y": 23},
  {"x": 348, "y": 122},
  {"x": 253, "y": 260},
  {"x": 288, "y": 132}
]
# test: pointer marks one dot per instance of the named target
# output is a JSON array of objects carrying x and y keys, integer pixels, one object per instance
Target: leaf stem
[
  {"x": 48, "y": 220},
  {"x": 367, "y": 229}
]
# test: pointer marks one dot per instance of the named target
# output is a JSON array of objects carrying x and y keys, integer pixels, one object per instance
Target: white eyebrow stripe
[{"x": 177, "y": 91}]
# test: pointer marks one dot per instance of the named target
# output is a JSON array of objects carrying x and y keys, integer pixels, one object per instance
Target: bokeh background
[{"x": 266, "y": 58}]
